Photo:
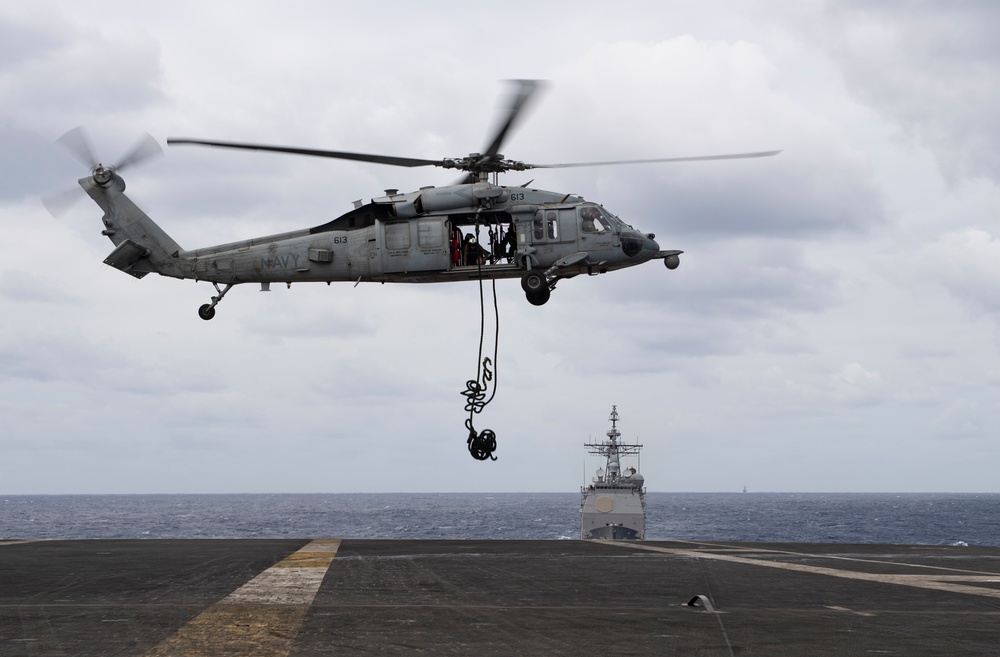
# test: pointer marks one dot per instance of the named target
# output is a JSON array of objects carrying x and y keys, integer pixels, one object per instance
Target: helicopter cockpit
[{"x": 593, "y": 219}]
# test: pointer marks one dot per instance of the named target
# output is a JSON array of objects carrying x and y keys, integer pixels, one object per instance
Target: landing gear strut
[
  {"x": 538, "y": 286},
  {"x": 207, "y": 311}
]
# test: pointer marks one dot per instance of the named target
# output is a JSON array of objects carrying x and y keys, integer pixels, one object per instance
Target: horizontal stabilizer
[{"x": 125, "y": 256}]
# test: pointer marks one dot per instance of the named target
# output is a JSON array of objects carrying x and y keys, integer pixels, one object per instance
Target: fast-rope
[{"x": 484, "y": 443}]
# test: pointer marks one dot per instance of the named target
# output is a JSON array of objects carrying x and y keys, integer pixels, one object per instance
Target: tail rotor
[{"x": 77, "y": 143}]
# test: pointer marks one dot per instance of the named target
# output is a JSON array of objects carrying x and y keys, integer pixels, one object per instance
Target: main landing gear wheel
[
  {"x": 533, "y": 281},
  {"x": 206, "y": 312},
  {"x": 538, "y": 298},
  {"x": 536, "y": 287}
]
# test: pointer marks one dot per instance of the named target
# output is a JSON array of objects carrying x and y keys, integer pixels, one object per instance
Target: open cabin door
[{"x": 414, "y": 245}]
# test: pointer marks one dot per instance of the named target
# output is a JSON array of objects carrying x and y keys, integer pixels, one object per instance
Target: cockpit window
[
  {"x": 615, "y": 221},
  {"x": 592, "y": 220}
]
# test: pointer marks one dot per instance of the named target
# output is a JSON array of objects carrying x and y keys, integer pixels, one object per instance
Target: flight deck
[{"x": 277, "y": 597}]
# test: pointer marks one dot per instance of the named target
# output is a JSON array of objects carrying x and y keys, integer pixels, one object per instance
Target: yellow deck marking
[
  {"x": 262, "y": 617},
  {"x": 937, "y": 582}
]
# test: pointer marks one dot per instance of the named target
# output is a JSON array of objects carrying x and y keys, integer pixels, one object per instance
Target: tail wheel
[{"x": 206, "y": 312}]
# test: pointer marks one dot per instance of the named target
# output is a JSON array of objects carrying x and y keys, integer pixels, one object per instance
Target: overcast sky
[{"x": 833, "y": 325}]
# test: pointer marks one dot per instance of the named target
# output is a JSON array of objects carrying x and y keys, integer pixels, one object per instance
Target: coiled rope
[{"x": 484, "y": 443}]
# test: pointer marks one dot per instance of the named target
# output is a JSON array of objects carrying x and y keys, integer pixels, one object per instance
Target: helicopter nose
[{"x": 635, "y": 243}]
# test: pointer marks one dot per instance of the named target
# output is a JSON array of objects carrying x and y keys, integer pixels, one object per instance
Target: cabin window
[
  {"x": 430, "y": 234},
  {"x": 397, "y": 236},
  {"x": 545, "y": 226},
  {"x": 552, "y": 224}
]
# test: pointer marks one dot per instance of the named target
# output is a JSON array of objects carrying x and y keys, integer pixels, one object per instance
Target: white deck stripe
[
  {"x": 262, "y": 617},
  {"x": 950, "y": 583},
  {"x": 279, "y": 586}
]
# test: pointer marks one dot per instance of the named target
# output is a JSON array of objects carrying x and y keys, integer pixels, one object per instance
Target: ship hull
[
  {"x": 613, "y": 514},
  {"x": 614, "y": 533}
]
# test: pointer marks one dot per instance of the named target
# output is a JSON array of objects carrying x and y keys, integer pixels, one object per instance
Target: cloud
[
  {"x": 967, "y": 264},
  {"x": 929, "y": 72},
  {"x": 685, "y": 97},
  {"x": 856, "y": 385},
  {"x": 56, "y": 358},
  {"x": 960, "y": 419},
  {"x": 20, "y": 286},
  {"x": 101, "y": 70}
]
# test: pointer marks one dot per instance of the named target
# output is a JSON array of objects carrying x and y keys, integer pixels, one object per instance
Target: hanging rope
[{"x": 482, "y": 444}]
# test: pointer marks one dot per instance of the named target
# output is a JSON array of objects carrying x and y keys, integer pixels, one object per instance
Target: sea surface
[{"x": 924, "y": 519}]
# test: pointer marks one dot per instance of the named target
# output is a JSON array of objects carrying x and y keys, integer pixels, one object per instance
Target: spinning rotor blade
[
  {"x": 58, "y": 203},
  {"x": 339, "y": 155},
  {"x": 75, "y": 141},
  {"x": 516, "y": 102},
  {"x": 144, "y": 149},
  {"x": 477, "y": 165},
  {"x": 733, "y": 156}
]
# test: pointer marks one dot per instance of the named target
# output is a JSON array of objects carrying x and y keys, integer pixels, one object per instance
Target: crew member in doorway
[
  {"x": 510, "y": 242},
  {"x": 473, "y": 252}
]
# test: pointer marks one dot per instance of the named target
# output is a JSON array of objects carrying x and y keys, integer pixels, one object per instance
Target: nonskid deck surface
[{"x": 471, "y": 597}]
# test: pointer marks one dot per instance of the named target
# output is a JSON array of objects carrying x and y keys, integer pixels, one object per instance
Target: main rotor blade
[
  {"x": 340, "y": 155},
  {"x": 76, "y": 142},
  {"x": 516, "y": 102},
  {"x": 732, "y": 156},
  {"x": 144, "y": 149}
]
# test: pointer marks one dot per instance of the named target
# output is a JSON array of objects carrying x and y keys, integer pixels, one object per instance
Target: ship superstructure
[{"x": 614, "y": 505}]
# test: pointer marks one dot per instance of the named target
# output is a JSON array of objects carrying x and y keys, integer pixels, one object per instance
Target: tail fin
[{"x": 141, "y": 246}]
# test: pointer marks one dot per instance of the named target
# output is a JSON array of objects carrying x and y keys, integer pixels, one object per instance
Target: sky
[{"x": 833, "y": 326}]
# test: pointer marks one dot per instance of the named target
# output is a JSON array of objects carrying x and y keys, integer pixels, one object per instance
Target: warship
[{"x": 614, "y": 505}]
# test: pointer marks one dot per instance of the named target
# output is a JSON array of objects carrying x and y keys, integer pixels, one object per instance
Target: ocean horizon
[{"x": 885, "y": 518}]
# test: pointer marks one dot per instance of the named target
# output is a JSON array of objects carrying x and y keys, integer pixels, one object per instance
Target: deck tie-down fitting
[{"x": 701, "y": 601}]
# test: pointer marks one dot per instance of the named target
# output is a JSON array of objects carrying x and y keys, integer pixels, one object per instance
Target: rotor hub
[
  {"x": 478, "y": 164},
  {"x": 103, "y": 175}
]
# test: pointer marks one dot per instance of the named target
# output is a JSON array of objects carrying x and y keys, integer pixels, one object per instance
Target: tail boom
[{"x": 141, "y": 246}]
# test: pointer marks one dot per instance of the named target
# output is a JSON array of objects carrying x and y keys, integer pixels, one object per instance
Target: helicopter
[{"x": 473, "y": 229}]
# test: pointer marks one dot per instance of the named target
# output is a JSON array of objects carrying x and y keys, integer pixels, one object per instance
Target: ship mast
[{"x": 613, "y": 451}]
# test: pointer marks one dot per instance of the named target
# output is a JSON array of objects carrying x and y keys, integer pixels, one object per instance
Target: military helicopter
[{"x": 432, "y": 235}]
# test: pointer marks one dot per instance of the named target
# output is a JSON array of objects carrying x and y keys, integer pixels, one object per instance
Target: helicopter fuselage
[{"x": 469, "y": 231}]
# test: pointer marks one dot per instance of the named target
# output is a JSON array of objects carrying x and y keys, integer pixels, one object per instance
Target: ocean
[{"x": 901, "y": 519}]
